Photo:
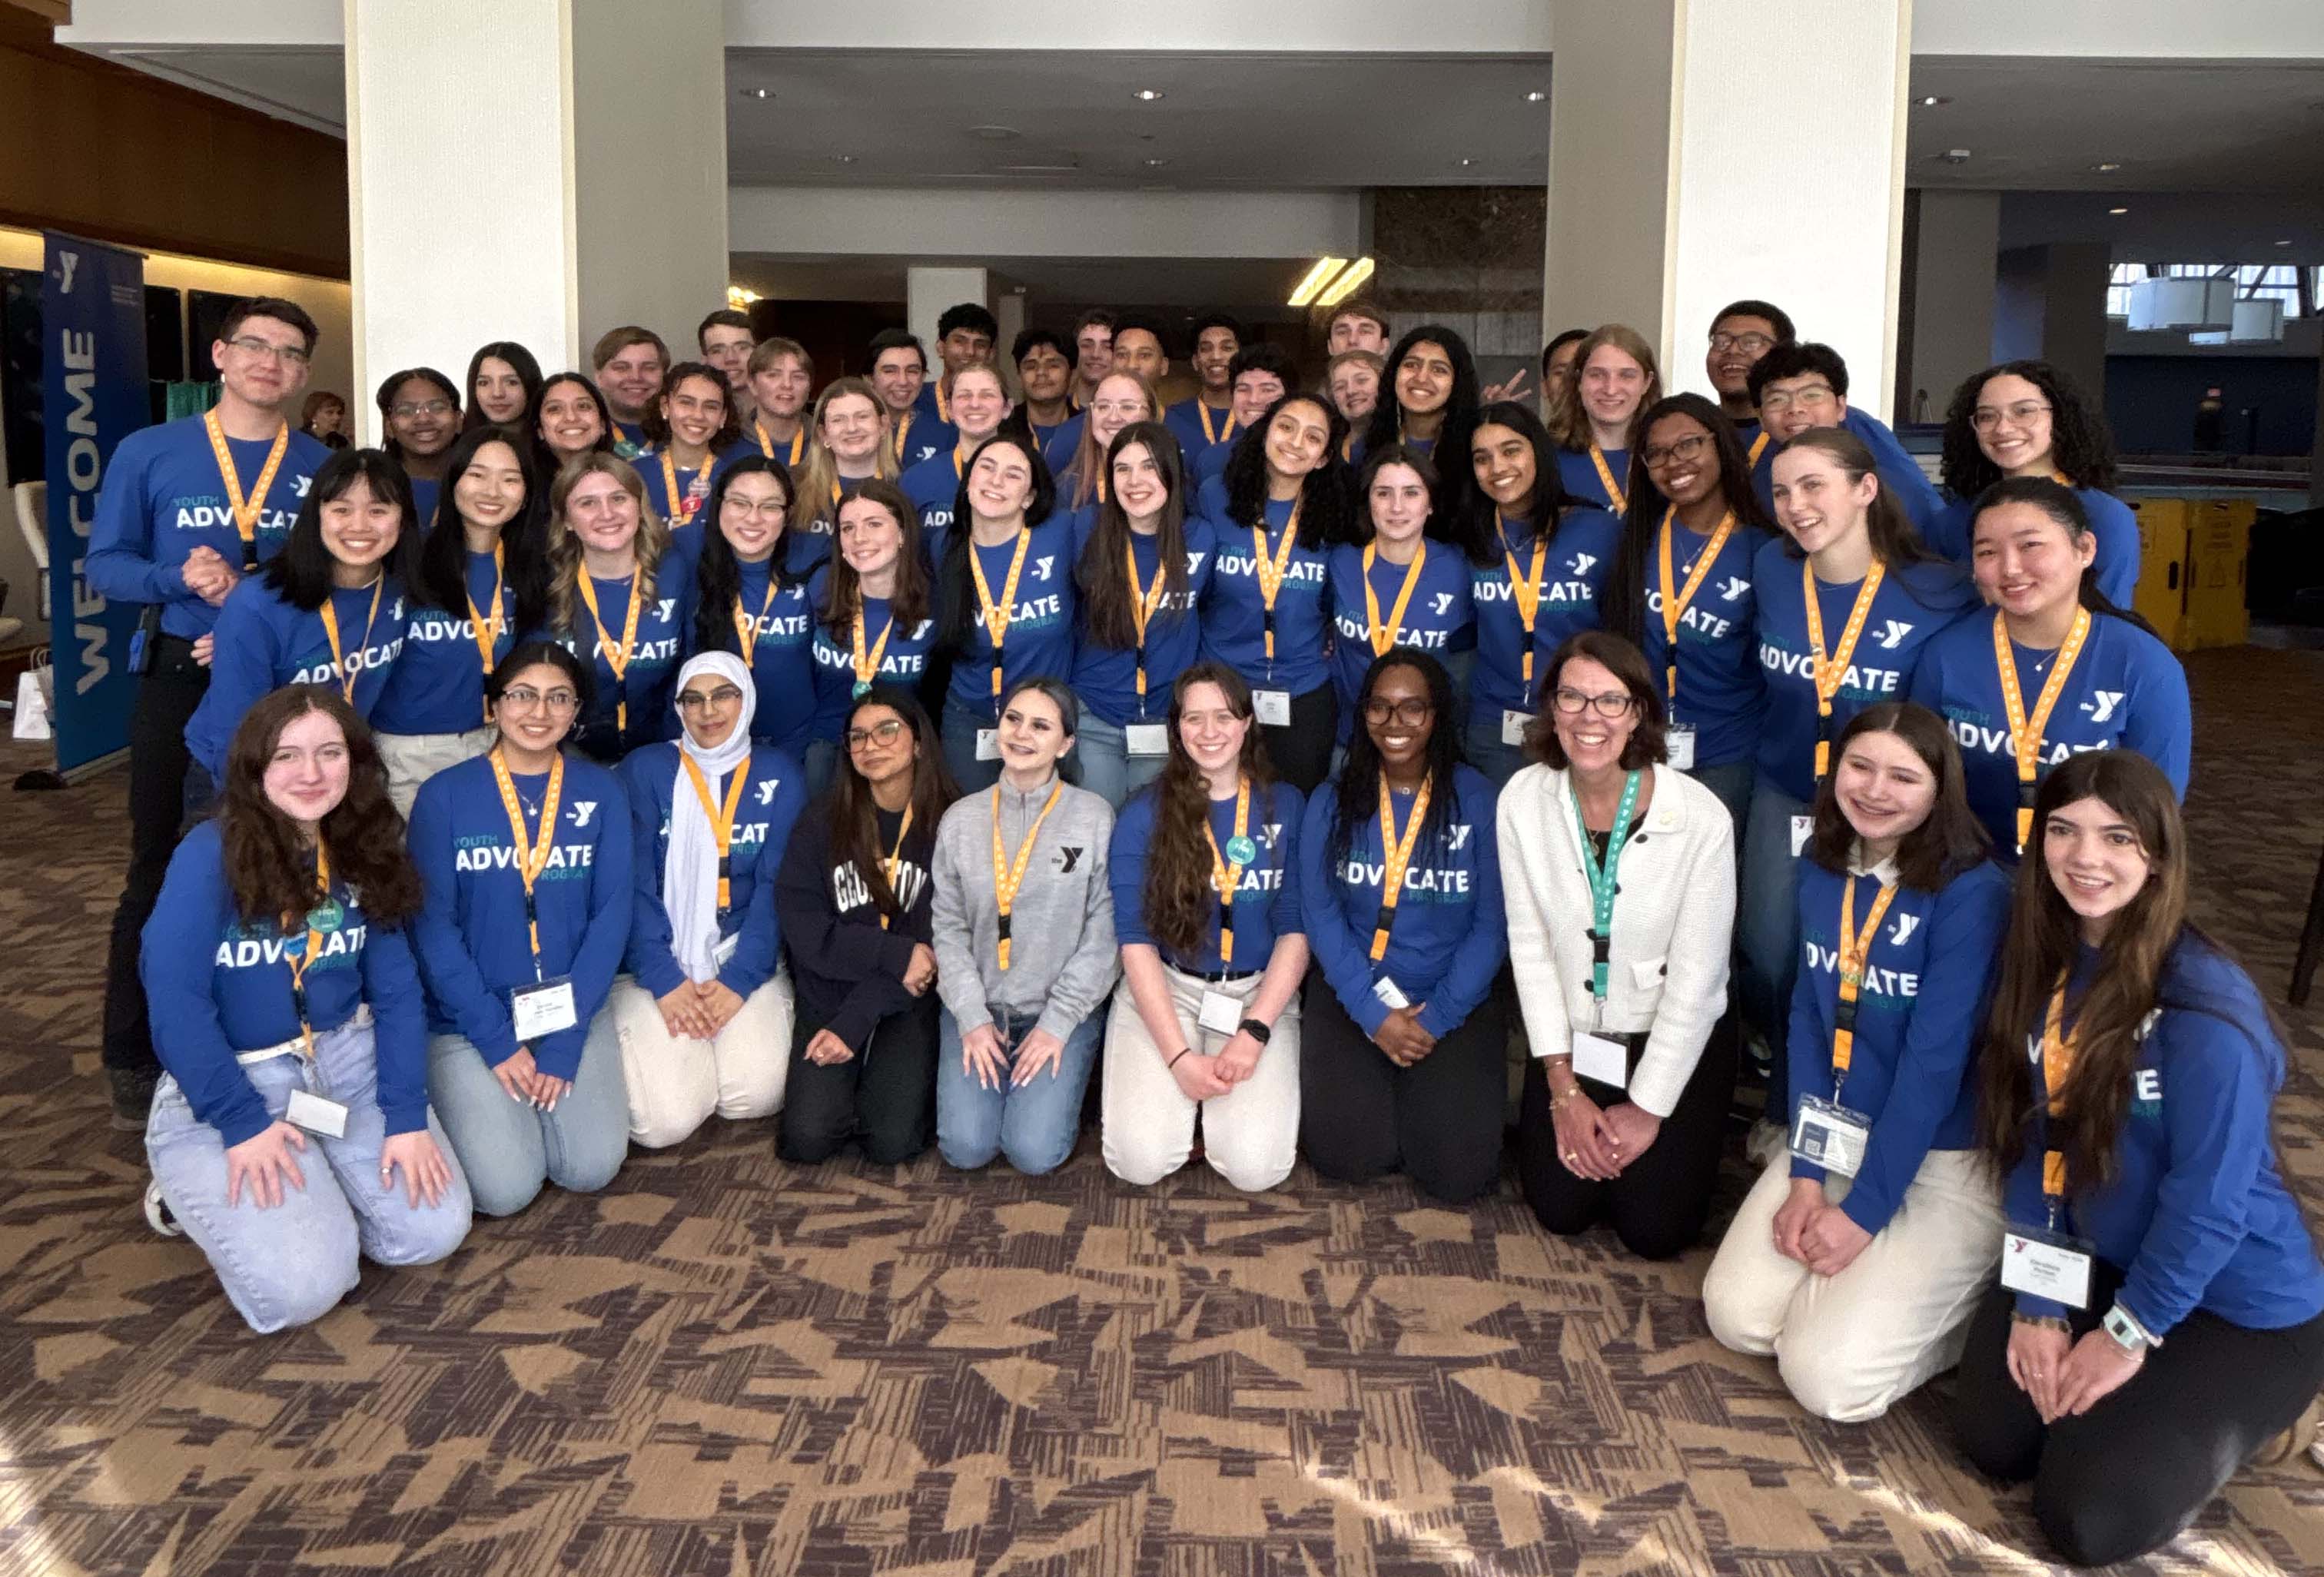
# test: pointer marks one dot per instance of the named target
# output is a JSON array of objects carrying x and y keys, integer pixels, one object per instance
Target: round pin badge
[
  {"x": 1242, "y": 850},
  {"x": 327, "y": 916}
]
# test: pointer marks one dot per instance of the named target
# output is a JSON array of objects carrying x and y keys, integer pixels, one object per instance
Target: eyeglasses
[
  {"x": 1986, "y": 418},
  {"x": 251, "y": 345},
  {"x": 1412, "y": 712},
  {"x": 1613, "y": 704},
  {"x": 1752, "y": 344},
  {"x": 1685, "y": 448},
  {"x": 408, "y": 409},
  {"x": 524, "y": 698},
  {"x": 695, "y": 700},
  {"x": 879, "y": 732},
  {"x": 773, "y": 509},
  {"x": 1783, "y": 399}
]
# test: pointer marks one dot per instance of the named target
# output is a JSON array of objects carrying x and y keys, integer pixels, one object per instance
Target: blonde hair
[
  {"x": 1572, "y": 416},
  {"x": 1088, "y": 462},
  {"x": 564, "y": 562},
  {"x": 818, "y": 473}
]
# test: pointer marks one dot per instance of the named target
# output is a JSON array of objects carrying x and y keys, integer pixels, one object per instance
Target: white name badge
[
  {"x": 1147, "y": 738},
  {"x": 2041, "y": 1266},
  {"x": 1220, "y": 1014},
  {"x": 315, "y": 1115},
  {"x": 536, "y": 1010},
  {"x": 988, "y": 745},
  {"x": 1273, "y": 708},
  {"x": 1679, "y": 743},
  {"x": 721, "y": 952},
  {"x": 1389, "y": 992},
  {"x": 1513, "y": 726},
  {"x": 1830, "y": 1136},
  {"x": 1803, "y": 828},
  {"x": 1606, "y": 1061}
]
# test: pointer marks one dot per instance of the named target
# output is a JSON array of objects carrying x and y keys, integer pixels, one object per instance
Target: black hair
[
  {"x": 1358, "y": 796},
  {"x": 1461, "y": 415},
  {"x": 956, "y": 590},
  {"x": 1747, "y": 307},
  {"x": 300, "y": 575},
  {"x": 521, "y": 361},
  {"x": 1260, "y": 356},
  {"x": 544, "y": 457},
  {"x": 2063, "y": 506},
  {"x": 2080, "y": 444},
  {"x": 1477, "y": 526},
  {"x": 718, "y": 574},
  {"x": 1144, "y": 323},
  {"x": 1622, "y": 606},
  {"x": 1325, "y": 499},
  {"x": 442, "y": 581},
  {"x": 385, "y": 399},
  {"x": 536, "y": 649},
  {"x": 888, "y": 339},
  {"x": 1026, "y": 339},
  {"x": 274, "y": 306},
  {"x": 724, "y": 318},
  {"x": 1095, "y": 318},
  {"x": 968, "y": 315},
  {"x": 657, "y": 425},
  {"x": 1549, "y": 352},
  {"x": 1797, "y": 358},
  {"x": 1207, "y": 321}
]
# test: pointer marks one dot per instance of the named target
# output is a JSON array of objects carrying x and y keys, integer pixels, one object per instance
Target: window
[{"x": 2297, "y": 287}]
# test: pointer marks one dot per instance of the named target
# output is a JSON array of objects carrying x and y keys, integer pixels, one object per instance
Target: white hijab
[{"x": 689, "y": 873}]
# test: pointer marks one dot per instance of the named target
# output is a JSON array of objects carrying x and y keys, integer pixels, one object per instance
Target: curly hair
[
  {"x": 1326, "y": 495},
  {"x": 265, "y": 858},
  {"x": 1178, "y": 899},
  {"x": 2081, "y": 445}
]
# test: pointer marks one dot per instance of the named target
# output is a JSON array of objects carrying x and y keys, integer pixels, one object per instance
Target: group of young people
[{"x": 607, "y": 752}]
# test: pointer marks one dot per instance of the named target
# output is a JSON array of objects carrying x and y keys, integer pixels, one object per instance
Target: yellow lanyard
[
  {"x": 767, "y": 444},
  {"x": 1271, "y": 569},
  {"x": 348, "y": 674},
  {"x": 616, "y": 658},
  {"x": 1210, "y": 434},
  {"x": 1382, "y": 639},
  {"x": 902, "y": 428},
  {"x": 943, "y": 406},
  {"x": 245, "y": 510},
  {"x": 1758, "y": 446},
  {"x": 997, "y": 617},
  {"x": 1009, "y": 875},
  {"x": 1524, "y": 590},
  {"x": 487, "y": 632},
  {"x": 1675, "y": 606},
  {"x": 1614, "y": 493},
  {"x": 1143, "y": 602},
  {"x": 894, "y": 863},
  {"x": 1853, "y": 951},
  {"x": 722, "y": 820},
  {"x": 1396, "y": 854},
  {"x": 1226, "y": 878},
  {"x": 867, "y": 663},
  {"x": 682, "y": 510},
  {"x": 532, "y": 859},
  {"x": 1828, "y": 673},
  {"x": 298, "y": 965},
  {"x": 2025, "y": 732},
  {"x": 746, "y": 628},
  {"x": 2059, "y": 1051}
]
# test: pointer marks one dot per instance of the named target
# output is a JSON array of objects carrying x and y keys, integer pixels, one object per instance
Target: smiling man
[{"x": 630, "y": 362}]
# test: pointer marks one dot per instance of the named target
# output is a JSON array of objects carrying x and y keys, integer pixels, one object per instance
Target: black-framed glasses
[
  {"x": 408, "y": 409},
  {"x": 1611, "y": 704},
  {"x": 1412, "y": 711},
  {"x": 1752, "y": 344},
  {"x": 1780, "y": 399},
  {"x": 879, "y": 732},
  {"x": 1685, "y": 448}
]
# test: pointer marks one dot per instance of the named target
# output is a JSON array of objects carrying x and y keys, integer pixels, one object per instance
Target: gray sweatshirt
[{"x": 1062, "y": 959}]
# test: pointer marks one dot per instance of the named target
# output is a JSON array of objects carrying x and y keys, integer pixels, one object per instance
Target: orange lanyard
[
  {"x": 722, "y": 820},
  {"x": 616, "y": 658},
  {"x": 298, "y": 965},
  {"x": 246, "y": 510},
  {"x": 1675, "y": 606},
  {"x": 1854, "y": 948},
  {"x": 2059, "y": 1051},
  {"x": 746, "y": 628},
  {"x": 867, "y": 663},
  {"x": 1212, "y": 435},
  {"x": 2025, "y": 732},
  {"x": 1758, "y": 446},
  {"x": 487, "y": 632},
  {"x": 767, "y": 444},
  {"x": 997, "y": 616},
  {"x": 894, "y": 863},
  {"x": 1143, "y": 602},
  {"x": 1395, "y": 856},
  {"x": 1614, "y": 493},
  {"x": 532, "y": 859},
  {"x": 1382, "y": 639},
  {"x": 1526, "y": 591},
  {"x": 330, "y": 616},
  {"x": 1227, "y": 879},
  {"x": 902, "y": 428},
  {"x": 1829, "y": 672},
  {"x": 1008, "y": 876},
  {"x": 1271, "y": 569}
]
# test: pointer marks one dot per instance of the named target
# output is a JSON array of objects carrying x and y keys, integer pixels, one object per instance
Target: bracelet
[
  {"x": 2044, "y": 1322},
  {"x": 1172, "y": 1062},
  {"x": 1559, "y": 1102}
]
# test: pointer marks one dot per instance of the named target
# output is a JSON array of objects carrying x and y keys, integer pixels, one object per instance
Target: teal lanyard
[{"x": 1602, "y": 882}]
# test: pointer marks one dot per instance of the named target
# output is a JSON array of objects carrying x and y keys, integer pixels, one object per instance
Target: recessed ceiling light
[
  {"x": 843, "y": 158},
  {"x": 1147, "y": 95},
  {"x": 2118, "y": 210},
  {"x": 1536, "y": 97},
  {"x": 1933, "y": 100},
  {"x": 995, "y": 134},
  {"x": 1156, "y": 163},
  {"x": 1465, "y": 164},
  {"x": 758, "y": 93},
  {"x": 2285, "y": 242},
  {"x": 2108, "y": 168}
]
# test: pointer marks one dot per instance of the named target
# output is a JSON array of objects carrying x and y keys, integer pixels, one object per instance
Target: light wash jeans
[
  {"x": 1033, "y": 1124},
  {"x": 1108, "y": 768},
  {"x": 1767, "y": 929},
  {"x": 291, "y": 1264},
  {"x": 510, "y": 1150}
]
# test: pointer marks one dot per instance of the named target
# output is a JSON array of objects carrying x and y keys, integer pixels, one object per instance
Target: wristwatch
[
  {"x": 1256, "y": 1030},
  {"x": 2128, "y": 1334}
]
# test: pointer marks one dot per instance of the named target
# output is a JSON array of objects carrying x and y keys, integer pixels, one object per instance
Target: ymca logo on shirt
[
  {"x": 583, "y": 809},
  {"x": 767, "y": 790},
  {"x": 1066, "y": 860},
  {"x": 1906, "y": 926},
  {"x": 2102, "y": 703},
  {"x": 1736, "y": 589},
  {"x": 1581, "y": 565},
  {"x": 1893, "y": 635}
]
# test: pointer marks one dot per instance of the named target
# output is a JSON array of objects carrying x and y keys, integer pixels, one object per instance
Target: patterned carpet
[{"x": 726, "y": 1366}]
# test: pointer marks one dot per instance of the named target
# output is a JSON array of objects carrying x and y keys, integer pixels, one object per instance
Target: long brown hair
[
  {"x": 1895, "y": 542},
  {"x": 1573, "y": 416},
  {"x": 1106, "y": 618},
  {"x": 854, "y": 815},
  {"x": 1178, "y": 897},
  {"x": 2045, "y": 934},
  {"x": 1950, "y": 840},
  {"x": 267, "y": 863},
  {"x": 566, "y": 566},
  {"x": 1079, "y": 479},
  {"x": 842, "y": 593}
]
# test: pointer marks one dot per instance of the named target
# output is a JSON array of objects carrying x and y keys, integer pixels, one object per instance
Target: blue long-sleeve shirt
[
  {"x": 163, "y": 497},
  {"x": 1913, "y": 603},
  {"x": 1234, "y": 611},
  {"x": 2126, "y": 691},
  {"x": 1578, "y": 474},
  {"x": 1266, "y": 900},
  {"x": 1106, "y": 677},
  {"x": 926, "y": 435},
  {"x": 782, "y": 650},
  {"x": 650, "y": 679},
  {"x": 1440, "y": 620},
  {"x": 473, "y": 941},
  {"x": 2113, "y": 522},
  {"x": 1185, "y": 420},
  {"x": 903, "y": 662},
  {"x": 1926, "y": 978},
  {"x": 1580, "y": 554},
  {"x": 1450, "y": 935},
  {"x": 775, "y": 792},
  {"x": 1059, "y": 442},
  {"x": 262, "y": 643},
  {"x": 437, "y": 684},
  {"x": 1722, "y": 692},
  {"x": 218, "y": 985},
  {"x": 2197, "y": 1215},
  {"x": 688, "y": 522},
  {"x": 934, "y": 487},
  {"x": 1892, "y": 461},
  {"x": 1040, "y": 639}
]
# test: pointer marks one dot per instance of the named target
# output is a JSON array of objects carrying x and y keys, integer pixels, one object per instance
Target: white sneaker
[{"x": 157, "y": 1214}]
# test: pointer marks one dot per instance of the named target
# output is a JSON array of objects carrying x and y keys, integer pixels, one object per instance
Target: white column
[
  {"x": 1706, "y": 149},
  {"x": 1953, "y": 279},
  {"x": 532, "y": 170},
  {"x": 1008, "y": 307},
  {"x": 927, "y": 291}
]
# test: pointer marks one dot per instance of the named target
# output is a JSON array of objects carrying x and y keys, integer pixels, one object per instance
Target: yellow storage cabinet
[{"x": 2194, "y": 553}]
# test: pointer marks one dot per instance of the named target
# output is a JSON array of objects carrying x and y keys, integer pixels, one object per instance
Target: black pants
[
  {"x": 885, "y": 1094},
  {"x": 1438, "y": 1120},
  {"x": 158, "y": 760},
  {"x": 1302, "y": 752},
  {"x": 2126, "y": 1476},
  {"x": 1658, "y": 1204}
]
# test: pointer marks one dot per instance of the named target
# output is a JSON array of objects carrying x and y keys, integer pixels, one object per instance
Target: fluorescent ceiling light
[
  {"x": 1316, "y": 278},
  {"x": 1345, "y": 285}
]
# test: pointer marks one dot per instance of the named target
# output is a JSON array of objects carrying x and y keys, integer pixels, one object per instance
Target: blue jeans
[
  {"x": 1108, "y": 768},
  {"x": 1482, "y": 743},
  {"x": 1767, "y": 926},
  {"x": 290, "y": 1264},
  {"x": 1033, "y": 1124},
  {"x": 508, "y": 1149}
]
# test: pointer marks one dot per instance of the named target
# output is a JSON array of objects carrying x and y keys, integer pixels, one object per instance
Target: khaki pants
[
  {"x": 674, "y": 1086},
  {"x": 1250, "y": 1134},
  {"x": 1849, "y": 1346},
  {"x": 411, "y": 759}
]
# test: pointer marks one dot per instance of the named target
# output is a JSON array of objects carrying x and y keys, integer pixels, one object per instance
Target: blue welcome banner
[{"x": 93, "y": 387}]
